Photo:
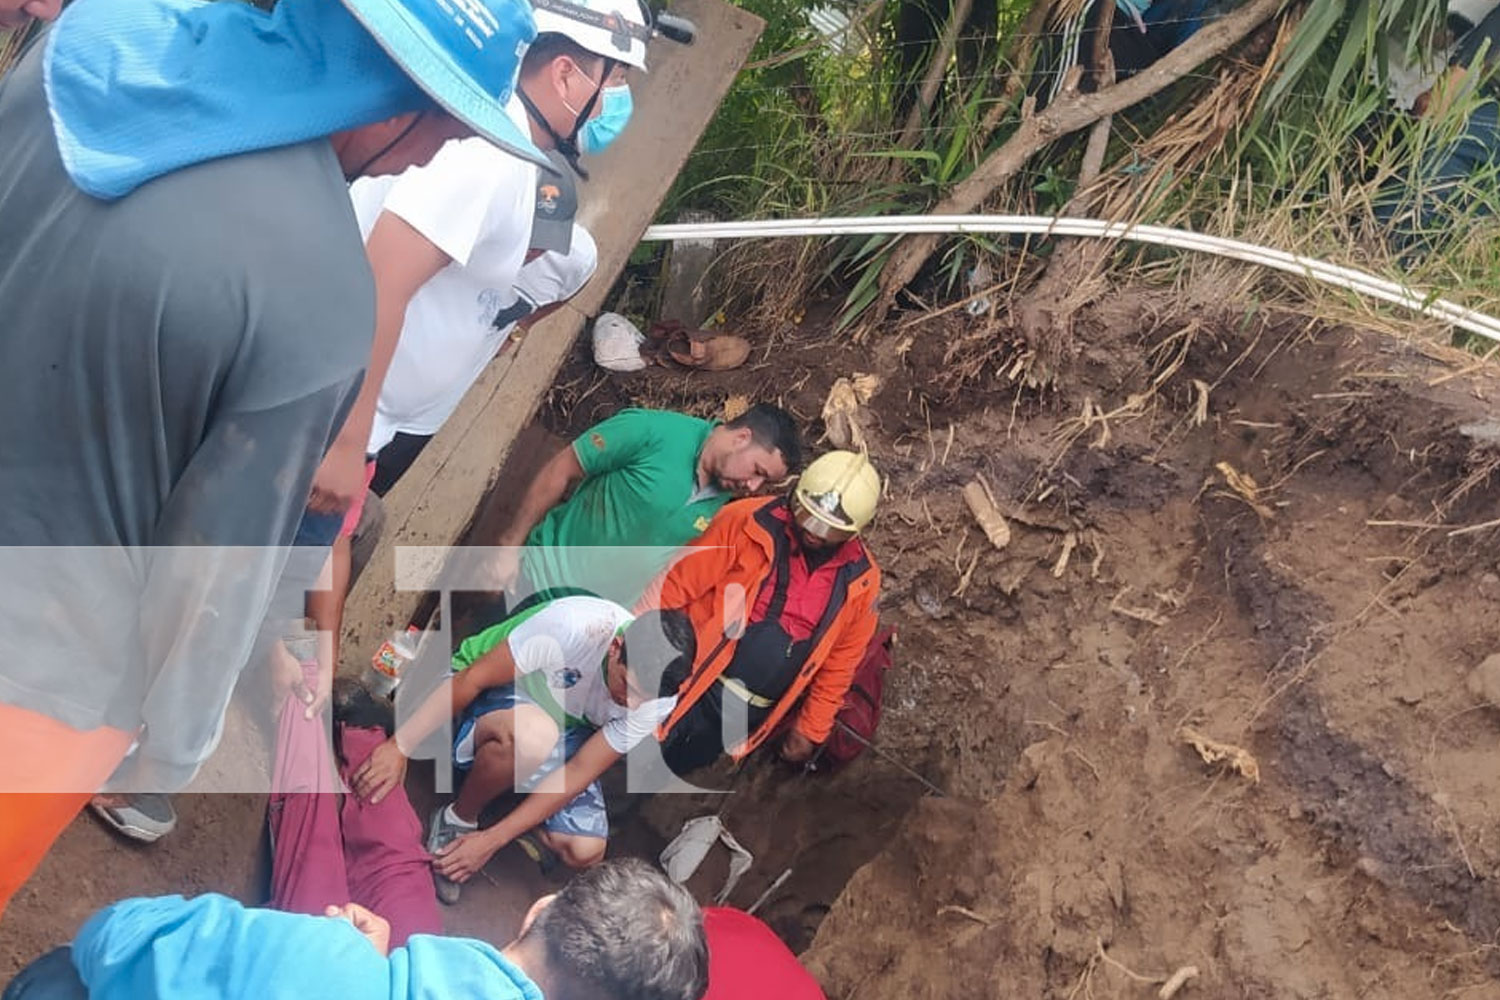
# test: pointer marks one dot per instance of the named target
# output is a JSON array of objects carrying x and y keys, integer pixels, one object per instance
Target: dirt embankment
[
  {"x": 1238, "y": 523},
  {"x": 1252, "y": 550}
]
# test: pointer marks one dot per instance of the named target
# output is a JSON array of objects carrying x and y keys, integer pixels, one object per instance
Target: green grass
[{"x": 816, "y": 136}]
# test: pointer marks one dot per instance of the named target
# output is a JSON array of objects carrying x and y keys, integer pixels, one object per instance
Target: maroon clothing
[
  {"x": 327, "y": 853},
  {"x": 808, "y": 592}
]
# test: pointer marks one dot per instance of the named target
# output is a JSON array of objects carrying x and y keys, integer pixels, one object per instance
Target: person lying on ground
[
  {"x": 648, "y": 480},
  {"x": 174, "y": 221},
  {"x": 782, "y": 594},
  {"x": 620, "y": 931},
  {"x": 328, "y": 846},
  {"x": 544, "y": 703}
]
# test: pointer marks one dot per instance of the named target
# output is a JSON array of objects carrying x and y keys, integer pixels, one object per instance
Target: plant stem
[{"x": 1063, "y": 117}]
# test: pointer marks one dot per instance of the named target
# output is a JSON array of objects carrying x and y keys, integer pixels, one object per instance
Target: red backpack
[{"x": 854, "y": 726}]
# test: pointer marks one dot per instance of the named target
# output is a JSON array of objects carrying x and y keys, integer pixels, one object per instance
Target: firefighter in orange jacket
[{"x": 782, "y": 594}]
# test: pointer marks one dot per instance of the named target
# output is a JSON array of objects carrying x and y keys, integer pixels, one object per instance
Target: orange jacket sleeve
[
  {"x": 825, "y": 696},
  {"x": 699, "y": 566}
]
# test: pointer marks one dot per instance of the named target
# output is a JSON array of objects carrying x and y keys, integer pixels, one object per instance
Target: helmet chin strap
[
  {"x": 568, "y": 145},
  {"x": 352, "y": 176}
]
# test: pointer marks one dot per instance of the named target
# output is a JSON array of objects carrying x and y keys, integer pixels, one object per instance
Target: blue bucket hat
[
  {"x": 140, "y": 88},
  {"x": 465, "y": 55}
]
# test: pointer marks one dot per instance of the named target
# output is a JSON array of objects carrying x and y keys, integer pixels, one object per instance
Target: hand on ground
[
  {"x": 796, "y": 748},
  {"x": 375, "y": 928},
  {"x": 459, "y": 859},
  {"x": 381, "y": 773}
]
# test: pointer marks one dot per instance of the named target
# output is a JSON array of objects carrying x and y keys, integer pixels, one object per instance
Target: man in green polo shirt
[{"x": 644, "y": 482}]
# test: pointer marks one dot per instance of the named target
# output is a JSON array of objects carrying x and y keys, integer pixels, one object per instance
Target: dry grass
[{"x": 11, "y": 42}]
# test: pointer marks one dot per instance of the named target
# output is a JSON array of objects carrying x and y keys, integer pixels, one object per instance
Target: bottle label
[{"x": 386, "y": 660}]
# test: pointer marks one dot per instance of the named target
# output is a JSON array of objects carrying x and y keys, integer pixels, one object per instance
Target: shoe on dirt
[
  {"x": 441, "y": 833},
  {"x": 543, "y": 856},
  {"x": 145, "y": 818}
]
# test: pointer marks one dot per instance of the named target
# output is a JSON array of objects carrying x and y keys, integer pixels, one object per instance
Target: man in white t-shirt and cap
[
  {"x": 453, "y": 235},
  {"x": 450, "y": 239},
  {"x": 437, "y": 361},
  {"x": 442, "y": 352}
]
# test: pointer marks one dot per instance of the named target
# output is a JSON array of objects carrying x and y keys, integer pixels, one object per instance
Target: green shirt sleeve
[{"x": 617, "y": 442}]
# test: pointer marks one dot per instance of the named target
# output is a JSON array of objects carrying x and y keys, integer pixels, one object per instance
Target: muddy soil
[
  {"x": 1233, "y": 521},
  {"x": 1251, "y": 549}
]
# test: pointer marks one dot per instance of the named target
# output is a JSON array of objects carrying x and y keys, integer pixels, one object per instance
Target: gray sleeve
[{"x": 204, "y": 605}]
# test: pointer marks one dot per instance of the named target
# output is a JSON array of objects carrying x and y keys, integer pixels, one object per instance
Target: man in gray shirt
[{"x": 185, "y": 313}]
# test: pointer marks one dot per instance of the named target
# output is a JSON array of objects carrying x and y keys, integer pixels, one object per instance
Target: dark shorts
[{"x": 585, "y": 816}]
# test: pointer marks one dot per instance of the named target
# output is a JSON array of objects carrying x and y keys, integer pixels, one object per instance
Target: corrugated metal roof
[{"x": 832, "y": 24}]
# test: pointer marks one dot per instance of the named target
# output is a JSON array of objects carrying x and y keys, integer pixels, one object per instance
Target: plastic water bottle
[{"x": 390, "y": 660}]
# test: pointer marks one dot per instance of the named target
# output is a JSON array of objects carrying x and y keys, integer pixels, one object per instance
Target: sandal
[{"x": 702, "y": 349}]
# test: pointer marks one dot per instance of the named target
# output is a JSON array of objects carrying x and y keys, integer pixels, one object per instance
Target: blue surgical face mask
[{"x": 614, "y": 114}]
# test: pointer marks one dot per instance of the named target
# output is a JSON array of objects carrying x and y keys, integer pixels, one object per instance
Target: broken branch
[{"x": 1064, "y": 116}]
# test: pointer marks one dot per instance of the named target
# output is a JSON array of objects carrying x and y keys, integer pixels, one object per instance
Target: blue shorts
[
  {"x": 585, "y": 816},
  {"x": 320, "y": 530}
]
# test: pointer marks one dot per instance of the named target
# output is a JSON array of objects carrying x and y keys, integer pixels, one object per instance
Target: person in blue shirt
[{"x": 619, "y": 931}]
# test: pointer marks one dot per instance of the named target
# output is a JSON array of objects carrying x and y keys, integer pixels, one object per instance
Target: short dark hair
[
  {"x": 660, "y": 645},
  {"x": 551, "y": 44},
  {"x": 622, "y": 931},
  {"x": 772, "y": 428}
]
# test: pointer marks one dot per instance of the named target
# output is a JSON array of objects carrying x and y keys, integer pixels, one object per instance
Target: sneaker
[
  {"x": 440, "y": 833},
  {"x": 146, "y": 817},
  {"x": 543, "y": 856}
]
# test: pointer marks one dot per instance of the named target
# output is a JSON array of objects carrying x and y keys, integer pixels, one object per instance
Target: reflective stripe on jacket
[{"x": 718, "y": 580}]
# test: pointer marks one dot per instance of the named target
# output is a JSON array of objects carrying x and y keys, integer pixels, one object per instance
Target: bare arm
[
  {"x": 469, "y": 853},
  {"x": 386, "y": 766},
  {"x": 561, "y": 473},
  {"x": 403, "y": 260}
]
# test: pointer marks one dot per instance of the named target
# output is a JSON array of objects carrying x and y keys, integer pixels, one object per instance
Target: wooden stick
[
  {"x": 1063, "y": 117},
  {"x": 1474, "y": 527},
  {"x": 936, "y": 70},
  {"x": 1179, "y": 979}
]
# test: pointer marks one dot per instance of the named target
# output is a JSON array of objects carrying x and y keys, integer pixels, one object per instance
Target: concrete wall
[{"x": 434, "y": 502}]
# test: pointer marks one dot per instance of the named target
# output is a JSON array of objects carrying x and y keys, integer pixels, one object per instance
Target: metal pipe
[
  {"x": 889, "y": 759},
  {"x": 1336, "y": 275}
]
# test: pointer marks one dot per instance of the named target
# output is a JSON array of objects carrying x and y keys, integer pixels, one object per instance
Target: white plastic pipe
[{"x": 1349, "y": 278}]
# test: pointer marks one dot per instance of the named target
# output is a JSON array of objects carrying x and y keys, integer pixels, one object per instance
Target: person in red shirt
[
  {"x": 747, "y": 961},
  {"x": 781, "y": 592}
]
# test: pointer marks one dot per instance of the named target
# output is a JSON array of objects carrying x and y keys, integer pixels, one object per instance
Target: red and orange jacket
[{"x": 718, "y": 584}]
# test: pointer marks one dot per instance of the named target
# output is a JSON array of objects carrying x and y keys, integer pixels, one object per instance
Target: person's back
[
  {"x": 620, "y": 929},
  {"x": 168, "y": 947},
  {"x": 187, "y": 310},
  {"x": 264, "y": 336},
  {"x": 747, "y": 961}
]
